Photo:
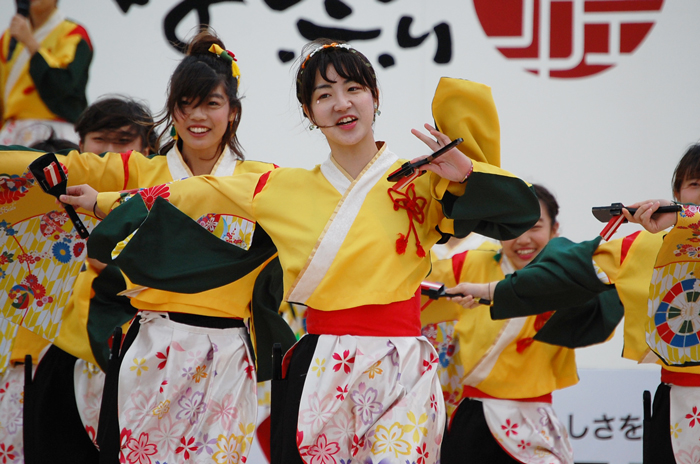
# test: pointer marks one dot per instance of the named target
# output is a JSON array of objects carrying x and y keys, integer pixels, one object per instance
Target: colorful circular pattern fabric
[{"x": 677, "y": 318}]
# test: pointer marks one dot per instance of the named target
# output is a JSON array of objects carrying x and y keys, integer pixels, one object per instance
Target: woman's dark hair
[
  {"x": 549, "y": 202},
  {"x": 53, "y": 144},
  {"x": 117, "y": 111},
  {"x": 688, "y": 168},
  {"x": 347, "y": 62},
  {"x": 197, "y": 75}
]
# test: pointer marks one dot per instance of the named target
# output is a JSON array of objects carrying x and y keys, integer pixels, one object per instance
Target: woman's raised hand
[
  {"x": 453, "y": 165},
  {"x": 645, "y": 215}
]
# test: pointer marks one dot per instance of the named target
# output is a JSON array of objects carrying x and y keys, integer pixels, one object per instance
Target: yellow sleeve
[
  {"x": 629, "y": 263},
  {"x": 73, "y": 336},
  {"x": 101, "y": 172}
]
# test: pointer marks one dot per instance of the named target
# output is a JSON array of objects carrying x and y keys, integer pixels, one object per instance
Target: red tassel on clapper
[{"x": 612, "y": 226}]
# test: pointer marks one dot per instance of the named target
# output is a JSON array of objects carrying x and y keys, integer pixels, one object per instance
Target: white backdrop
[{"x": 613, "y": 136}]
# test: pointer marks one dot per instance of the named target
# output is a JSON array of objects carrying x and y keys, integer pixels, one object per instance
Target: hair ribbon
[
  {"x": 228, "y": 56},
  {"x": 323, "y": 47}
]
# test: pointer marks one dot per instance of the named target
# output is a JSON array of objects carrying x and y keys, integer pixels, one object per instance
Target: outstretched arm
[
  {"x": 472, "y": 293},
  {"x": 186, "y": 236},
  {"x": 562, "y": 276}
]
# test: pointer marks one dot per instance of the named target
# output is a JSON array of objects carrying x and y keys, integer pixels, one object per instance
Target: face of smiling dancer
[
  {"x": 344, "y": 110},
  {"x": 202, "y": 127},
  {"x": 523, "y": 249}
]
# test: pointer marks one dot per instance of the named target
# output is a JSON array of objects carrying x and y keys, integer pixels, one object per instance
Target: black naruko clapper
[{"x": 53, "y": 180}]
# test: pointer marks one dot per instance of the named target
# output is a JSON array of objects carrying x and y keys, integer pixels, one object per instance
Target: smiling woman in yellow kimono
[
  {"x": 497, "y": 379},
  {"x": 202, "y": 335},
  {"x": 353, "y": 247}
]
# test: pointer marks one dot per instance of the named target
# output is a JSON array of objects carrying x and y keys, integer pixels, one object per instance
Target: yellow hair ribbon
[{"x": 228, "y": 56}]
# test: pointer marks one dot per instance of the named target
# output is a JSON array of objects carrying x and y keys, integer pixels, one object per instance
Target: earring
[
  {"x": 173, "y": 133},
  {"x": 312, "y": 126},
  {"x": 377, "y": 111}
]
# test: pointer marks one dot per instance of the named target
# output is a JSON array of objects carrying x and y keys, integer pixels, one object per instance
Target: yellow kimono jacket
[
  {"x": 342, "y": 242},
  {"x": 51, "y": 83},
  {"x": 82, "y": 324},
  {"x": 498, "y": 357},
  {"x": 338, "y": 232}
]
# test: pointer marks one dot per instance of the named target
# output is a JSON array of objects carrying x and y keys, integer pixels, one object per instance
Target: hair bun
[{"x": 202, "y": 42}]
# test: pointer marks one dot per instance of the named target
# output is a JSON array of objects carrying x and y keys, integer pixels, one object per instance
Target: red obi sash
[
  {"x": 397, "y": 319},
  {"x": 681, "y": 379},
  {"x": 472, "y": 392}
]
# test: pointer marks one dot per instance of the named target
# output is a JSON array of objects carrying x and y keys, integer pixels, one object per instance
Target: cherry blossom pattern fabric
[
  {"x": 186, "y": 394},
  {"x": 11, "y": 407},
  {"x": 384, "y": 401},
  {"x": 530, "y": 432},
  {"x": 685, "y": 423},
  {"x": 89, "y": 382}
]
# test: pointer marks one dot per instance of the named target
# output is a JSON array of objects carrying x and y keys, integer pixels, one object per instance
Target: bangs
[
  {"x": 194, "y": 84},
  {"x": 118, "y": 122},
  {"x": 347, "y": 67}
]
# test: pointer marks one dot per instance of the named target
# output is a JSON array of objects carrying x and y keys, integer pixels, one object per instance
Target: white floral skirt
[
  {"x": 11, "y": 420},
  {"x": 186, "y": 394},
  {"x": 685, "y": 423},
  {"x": 26, "y": 132},
  {"x": 529, "y": 431},
  {"x": 371, "y": 399},
  {"x": 89, "y": 382}
]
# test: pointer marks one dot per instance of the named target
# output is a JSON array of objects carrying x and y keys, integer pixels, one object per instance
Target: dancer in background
[
  {"x": 44, "y": 63},
  {"x": 672, "y": 315},
  {"x": 498, "y": 378},
  {"x": 567, "y": 274},
  {"x": 354, "y": 249},
  {"x": 117, "y": 123}
]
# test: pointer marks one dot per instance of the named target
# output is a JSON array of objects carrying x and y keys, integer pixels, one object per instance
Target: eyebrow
[
  {"x": 215, "y": 95},
  {"x": 323, "y": 86}
]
